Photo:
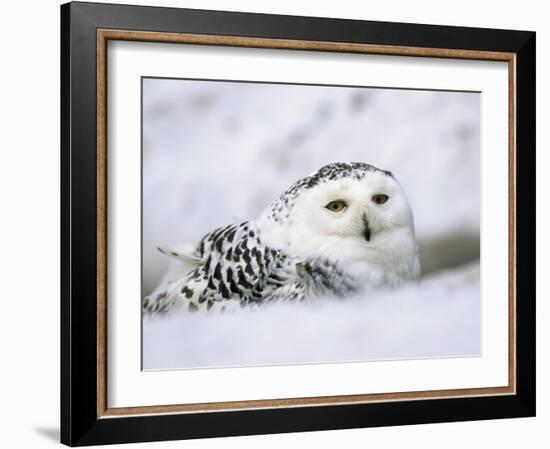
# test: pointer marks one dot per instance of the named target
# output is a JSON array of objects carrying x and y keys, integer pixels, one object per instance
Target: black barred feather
[{"x": 255, "y": 274}]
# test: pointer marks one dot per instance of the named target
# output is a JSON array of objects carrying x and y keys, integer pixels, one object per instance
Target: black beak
[{"x": 366, "y": 227}]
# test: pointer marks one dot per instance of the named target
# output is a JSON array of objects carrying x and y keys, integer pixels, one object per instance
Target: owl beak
[{"x": 366, "y": 227}]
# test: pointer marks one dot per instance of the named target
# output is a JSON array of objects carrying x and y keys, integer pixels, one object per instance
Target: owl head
[{"x": 344, "y": 212}]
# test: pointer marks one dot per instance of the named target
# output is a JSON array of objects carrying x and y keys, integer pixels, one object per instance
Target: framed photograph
[{"x": 280, "y": 224}]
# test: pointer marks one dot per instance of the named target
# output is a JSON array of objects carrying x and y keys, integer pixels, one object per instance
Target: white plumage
[{"x": 347, "y": 227}]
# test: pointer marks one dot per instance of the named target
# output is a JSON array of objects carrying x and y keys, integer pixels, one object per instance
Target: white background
[{"x": 30, "y": 210}]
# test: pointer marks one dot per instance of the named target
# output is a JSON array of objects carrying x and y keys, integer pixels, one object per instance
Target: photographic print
[
  {"x": 297, "y": 224},
  {"x": 312, "y": 222}
]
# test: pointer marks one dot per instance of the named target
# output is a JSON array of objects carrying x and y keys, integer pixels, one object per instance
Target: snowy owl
[{"x": 345, "y": 228}]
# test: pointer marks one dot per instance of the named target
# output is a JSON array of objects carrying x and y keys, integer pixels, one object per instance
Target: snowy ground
[
  {"x": 440, "y": 318},
  {"x": 216, "y": 153}
]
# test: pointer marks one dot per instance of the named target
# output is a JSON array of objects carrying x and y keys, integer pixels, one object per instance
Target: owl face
[
  {"x": 344, "y": 212},
  {"x": 352, "y": 212},
  {"x": 358, "y": 209}
]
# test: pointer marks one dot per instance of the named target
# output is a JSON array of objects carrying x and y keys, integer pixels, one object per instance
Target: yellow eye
[
  {"x": 380, "y": 198},
  {"x": 336, "y": 206}
]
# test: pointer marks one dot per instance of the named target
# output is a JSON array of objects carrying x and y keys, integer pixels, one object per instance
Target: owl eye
[
  {"x": 380, "y": 198},
  {"x": 336, "y": 206}
]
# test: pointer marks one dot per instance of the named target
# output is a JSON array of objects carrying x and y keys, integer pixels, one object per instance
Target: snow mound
[{"x": 438, "y": 318}]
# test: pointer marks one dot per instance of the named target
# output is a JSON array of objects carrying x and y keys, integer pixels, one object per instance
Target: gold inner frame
[{"x": 104, "y": 35}]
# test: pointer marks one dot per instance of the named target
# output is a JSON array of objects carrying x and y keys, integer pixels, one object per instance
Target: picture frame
[{"x": 86, "y": 30}]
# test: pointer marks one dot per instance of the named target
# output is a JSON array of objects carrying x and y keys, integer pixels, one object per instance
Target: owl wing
[{"x": 230, "y": 267}]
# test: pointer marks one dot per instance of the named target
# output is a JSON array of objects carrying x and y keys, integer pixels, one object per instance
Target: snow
[
  {"x": 440, "y": 318},
  {"x": 215, "y": 153}
]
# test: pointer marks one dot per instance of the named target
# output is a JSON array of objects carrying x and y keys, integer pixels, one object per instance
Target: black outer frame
[{"x": 79, "y": 422}]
